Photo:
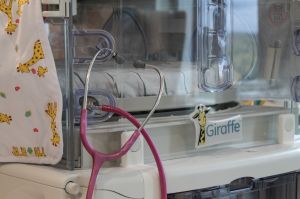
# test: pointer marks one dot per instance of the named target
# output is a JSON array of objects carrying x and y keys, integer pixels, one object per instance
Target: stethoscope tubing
[{"x": 98, "y": 157}]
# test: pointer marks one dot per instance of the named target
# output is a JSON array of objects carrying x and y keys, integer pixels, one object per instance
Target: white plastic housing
[{"x": 63, "y": 8}]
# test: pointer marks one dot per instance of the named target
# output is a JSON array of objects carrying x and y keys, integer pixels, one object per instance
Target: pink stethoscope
[{"x": 98, "y": 157}]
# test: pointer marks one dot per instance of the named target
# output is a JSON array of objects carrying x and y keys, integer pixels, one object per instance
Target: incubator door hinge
[{"x": 59, "y": 8}]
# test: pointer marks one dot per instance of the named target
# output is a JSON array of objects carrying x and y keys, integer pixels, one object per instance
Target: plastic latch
[
  {"x": 286, "y": 128},
  {"x": 135, "y": 155}
]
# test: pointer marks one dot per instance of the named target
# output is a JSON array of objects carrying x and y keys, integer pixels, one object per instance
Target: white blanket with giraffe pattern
[{"x": 30, "y": 96}]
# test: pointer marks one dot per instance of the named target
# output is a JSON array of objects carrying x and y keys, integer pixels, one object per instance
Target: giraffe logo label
[{"x": 212, "y": 132}]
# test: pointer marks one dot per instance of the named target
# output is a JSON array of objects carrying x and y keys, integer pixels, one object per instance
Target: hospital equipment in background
[{"x": 248, "y": 50}]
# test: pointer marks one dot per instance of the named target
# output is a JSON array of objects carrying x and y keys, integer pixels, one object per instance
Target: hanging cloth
[{"x": 30, "y": 96}]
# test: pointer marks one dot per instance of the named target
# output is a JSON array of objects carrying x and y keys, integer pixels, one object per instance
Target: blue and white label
[{"x": 218, "y": 131}]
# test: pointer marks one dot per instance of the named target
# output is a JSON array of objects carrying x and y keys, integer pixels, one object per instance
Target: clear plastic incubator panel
[{"x": 239, "y": 58}]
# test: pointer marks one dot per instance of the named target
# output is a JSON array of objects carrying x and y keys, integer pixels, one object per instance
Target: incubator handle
[
  {"x": 216, "y": 45},
  {"x": 242, "y": 184}
]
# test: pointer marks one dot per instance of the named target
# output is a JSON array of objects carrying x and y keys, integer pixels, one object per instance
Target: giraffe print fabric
[{"x": 30, "y": 96}]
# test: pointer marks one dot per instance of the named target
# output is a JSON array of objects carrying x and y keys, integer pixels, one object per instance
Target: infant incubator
[{"x": 226, "y": 126}]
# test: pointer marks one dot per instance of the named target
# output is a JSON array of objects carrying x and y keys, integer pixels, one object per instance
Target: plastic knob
[{"x": 72, "y": 188}]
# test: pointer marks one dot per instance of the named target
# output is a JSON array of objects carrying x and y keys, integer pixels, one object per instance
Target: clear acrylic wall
[
  {"x": 254, "y": 40},
  {"x": 202, "y": 46}
]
